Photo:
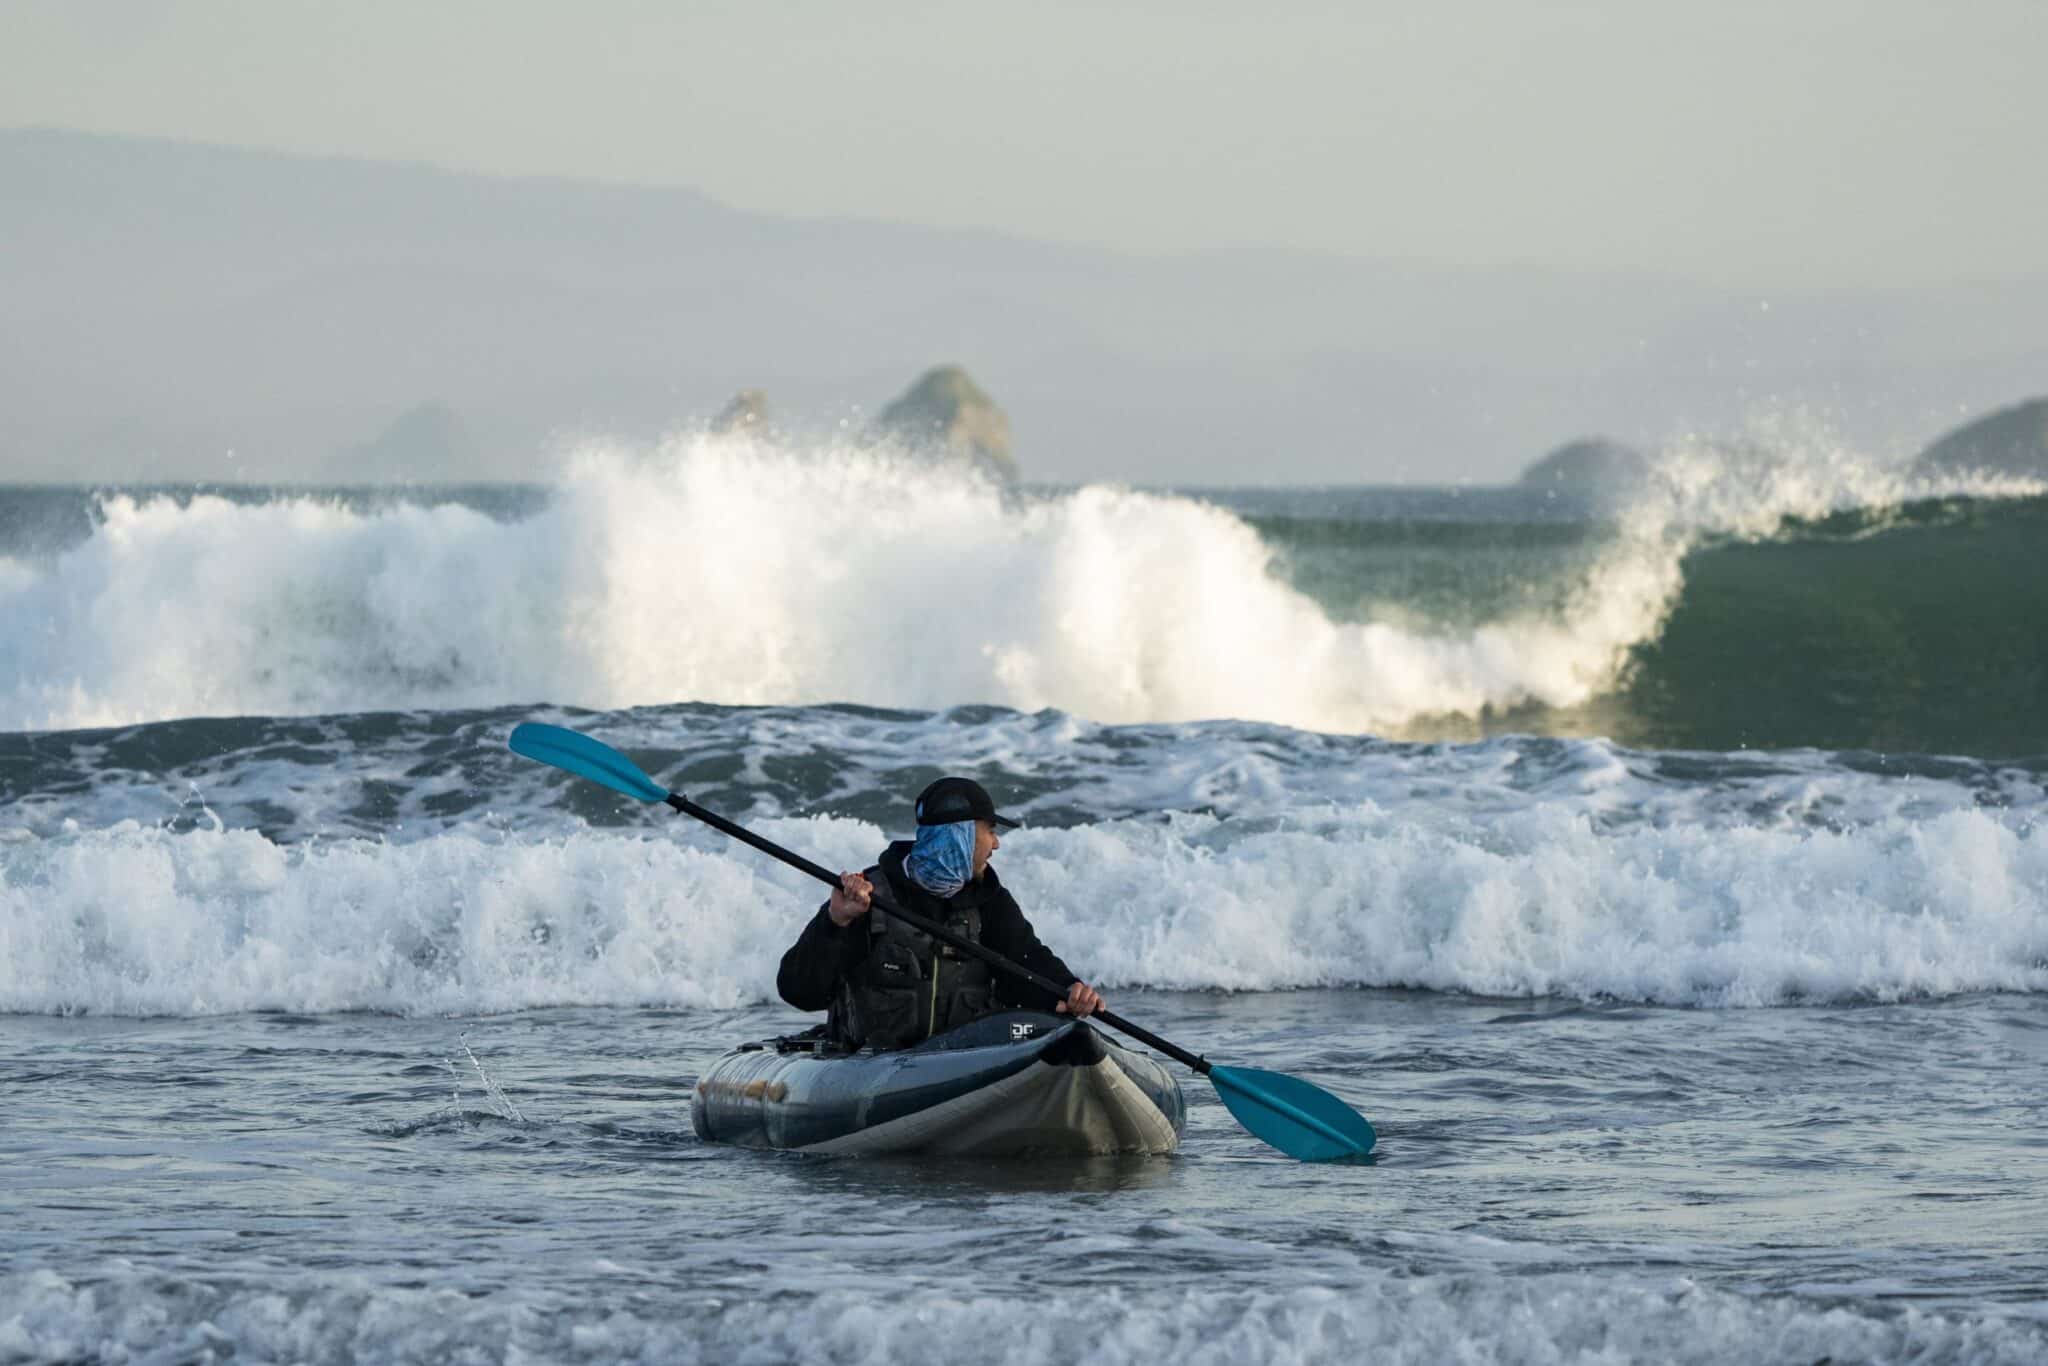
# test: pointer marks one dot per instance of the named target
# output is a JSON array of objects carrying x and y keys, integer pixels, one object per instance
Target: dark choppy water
[{"x": 1554, "y": 1182}]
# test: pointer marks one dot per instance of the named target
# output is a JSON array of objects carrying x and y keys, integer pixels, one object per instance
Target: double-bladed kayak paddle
[{"x": 1299, "y": 1118}]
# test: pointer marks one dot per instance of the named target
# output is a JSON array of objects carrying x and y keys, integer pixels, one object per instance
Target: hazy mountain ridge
[{"x": 171, "y": 304}]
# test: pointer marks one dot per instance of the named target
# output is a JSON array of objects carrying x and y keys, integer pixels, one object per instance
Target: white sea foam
[
  {"x": 130, "y": 1313},
  {"x": 1524, "y": 901},
  {"x": 722, "y": 570},
  {"x": 1788, "y": 464},
  {"x": 735, "y": 573}
]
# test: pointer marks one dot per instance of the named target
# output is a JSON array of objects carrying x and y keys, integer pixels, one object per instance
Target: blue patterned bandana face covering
[{"x": 943, "y": 858}]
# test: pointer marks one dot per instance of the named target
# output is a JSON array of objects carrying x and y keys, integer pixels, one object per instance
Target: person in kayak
[{"x": 885, "y": 985}]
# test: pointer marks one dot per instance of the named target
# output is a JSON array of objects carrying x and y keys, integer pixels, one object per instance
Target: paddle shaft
[{"x": 884, "y": 903}]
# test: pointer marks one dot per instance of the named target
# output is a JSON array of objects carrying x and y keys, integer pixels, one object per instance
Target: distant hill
[
  {"x": 178, "y": 310},
  {"x": 2010, "y": 441}
]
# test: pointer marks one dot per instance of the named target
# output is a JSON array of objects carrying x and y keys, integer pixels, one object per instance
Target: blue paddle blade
[
  {"x": 1299, "y": 1119},
  {"x": 585, "y": 757}
]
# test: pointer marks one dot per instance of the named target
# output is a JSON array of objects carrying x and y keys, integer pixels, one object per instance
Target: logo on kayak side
[{"x": 1021, "y": 1030}]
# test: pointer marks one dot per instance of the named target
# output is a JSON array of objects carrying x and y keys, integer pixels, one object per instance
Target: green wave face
[
  {"x": 1924, "y": 632},
  {"x": 1918, "y": 629}
]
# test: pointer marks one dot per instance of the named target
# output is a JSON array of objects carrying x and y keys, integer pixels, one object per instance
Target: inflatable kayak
[{"x": 1004, "y": 1085}]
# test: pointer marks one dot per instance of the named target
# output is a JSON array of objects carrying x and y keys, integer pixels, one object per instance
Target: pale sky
[{"x": 1802, "y": 142}]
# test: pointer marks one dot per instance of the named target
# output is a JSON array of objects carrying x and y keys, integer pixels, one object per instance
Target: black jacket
[{"x": 824, "y": 953}]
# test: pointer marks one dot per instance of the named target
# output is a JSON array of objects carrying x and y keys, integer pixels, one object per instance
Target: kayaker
[{"x": 886, "y": 985}]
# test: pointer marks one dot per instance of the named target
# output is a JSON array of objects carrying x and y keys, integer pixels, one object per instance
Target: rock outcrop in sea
[
  {"x": 747, "y": 412},
  {"x": 1590, "y": 464},
  {"x": 946, "y": 413},
  {"x": 426, "y": 444},
  {"x": 2010, "y": 441}
]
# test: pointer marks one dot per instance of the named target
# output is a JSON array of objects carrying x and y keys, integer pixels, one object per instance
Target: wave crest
[{"x": 134, "y": 921}]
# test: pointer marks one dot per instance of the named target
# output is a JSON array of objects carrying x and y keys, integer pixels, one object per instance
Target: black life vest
[{"x": 910, "y": 987}]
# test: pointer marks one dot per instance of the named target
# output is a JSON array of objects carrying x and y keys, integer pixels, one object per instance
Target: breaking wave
[
  {"x": 741, "y": 574},
  {"x": 1531, "y": 902},
  {"x": 1797, "y": 595}
]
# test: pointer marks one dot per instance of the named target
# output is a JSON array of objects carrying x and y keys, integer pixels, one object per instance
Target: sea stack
[
  {"x": 748, "y": 412},
  {"x": 2011, "y": 441},
  {"x": 1590, "y": 464},
  {"x": 426, "y": 444},
  {"x": 946, "y": 413}
]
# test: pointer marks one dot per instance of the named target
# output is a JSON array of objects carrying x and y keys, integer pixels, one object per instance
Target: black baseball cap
[{"x": 958, "y": 799}]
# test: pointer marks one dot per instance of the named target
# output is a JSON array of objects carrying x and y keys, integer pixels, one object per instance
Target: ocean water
[{"x": 1663, "y": 873}]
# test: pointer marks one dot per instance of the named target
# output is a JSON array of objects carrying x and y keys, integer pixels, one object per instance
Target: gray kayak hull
[{"x": 1013, "y": 1084}]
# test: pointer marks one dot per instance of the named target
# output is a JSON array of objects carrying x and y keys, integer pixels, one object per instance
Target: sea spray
[{"x": 500, "y": 1103}]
